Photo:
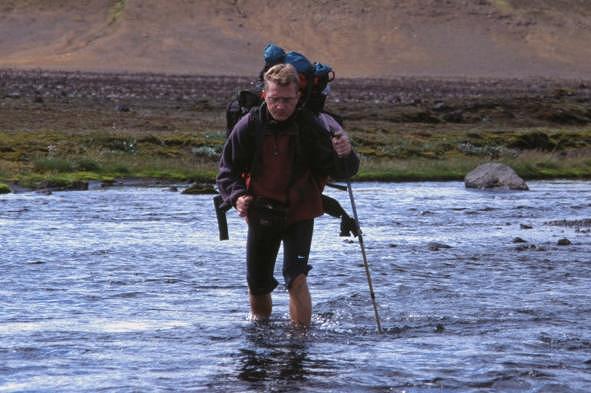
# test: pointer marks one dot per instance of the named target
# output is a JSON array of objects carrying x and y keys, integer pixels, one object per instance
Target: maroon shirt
[{"x": 275, "y": 180}]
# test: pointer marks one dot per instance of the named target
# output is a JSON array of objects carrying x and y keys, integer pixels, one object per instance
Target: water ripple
[{"x": 128, "y": 289}]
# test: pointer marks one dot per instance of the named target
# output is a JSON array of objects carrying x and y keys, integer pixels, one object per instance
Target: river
[{"x": 128, "y": 289}]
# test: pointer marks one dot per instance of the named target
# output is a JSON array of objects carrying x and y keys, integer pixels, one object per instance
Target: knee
[{"x": 299, "y": 282}]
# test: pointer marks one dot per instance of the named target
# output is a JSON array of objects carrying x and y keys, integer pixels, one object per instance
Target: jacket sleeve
[
  {"x": 340, "y": 168},
  {"x": 345, "y": 167},
  {"x": 235, "y": 161}
]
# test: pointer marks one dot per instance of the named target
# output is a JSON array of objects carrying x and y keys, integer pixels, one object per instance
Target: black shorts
[{"x": 261, "y": 252}]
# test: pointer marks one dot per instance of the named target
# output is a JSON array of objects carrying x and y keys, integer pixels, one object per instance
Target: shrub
[
  {"x": 4, "y": 189},
  {"x": 536, "y": 140},
  {"x": 86, "y": 164},
  {"x": 121, "y": 169},
  {"x": 53, "y": 165}
]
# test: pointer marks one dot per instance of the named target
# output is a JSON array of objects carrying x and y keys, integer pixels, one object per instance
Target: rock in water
[
  {"x": 436, "y": 246},
  {"x": 494, "y": 175},
  {"x": 198, "y": 189}
]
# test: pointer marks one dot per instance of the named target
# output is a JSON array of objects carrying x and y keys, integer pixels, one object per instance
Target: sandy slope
[{"x": 379, "y": 38}]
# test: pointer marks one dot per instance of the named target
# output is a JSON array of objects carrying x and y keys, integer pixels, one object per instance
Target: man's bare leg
[
  {"x": 260, "y": 306},
  {"x": 300, "y": 302}
]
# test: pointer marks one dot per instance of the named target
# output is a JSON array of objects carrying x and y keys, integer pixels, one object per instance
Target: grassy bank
[
  {"x": 40, "y": 159},
  {"x": 64, "y": 160},
  {"x": 439, "y": 153},
  {"x": 60, "y": 130}
]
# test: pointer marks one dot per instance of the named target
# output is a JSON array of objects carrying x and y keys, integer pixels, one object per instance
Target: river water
[{"x": 129, "y": 290}]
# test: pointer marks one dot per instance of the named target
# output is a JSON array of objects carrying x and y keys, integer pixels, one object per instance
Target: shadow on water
[
  {"x": 269, "y": 357},
  {"x": 275, "y": 356}
]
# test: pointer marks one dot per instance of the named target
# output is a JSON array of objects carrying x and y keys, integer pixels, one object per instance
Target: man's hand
[
  {"x": 341, "y": 143},
  {"x": 242, "y": 204}
]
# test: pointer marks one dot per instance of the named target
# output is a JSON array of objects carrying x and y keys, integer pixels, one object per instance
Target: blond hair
[{"x": 283, "y": 75}]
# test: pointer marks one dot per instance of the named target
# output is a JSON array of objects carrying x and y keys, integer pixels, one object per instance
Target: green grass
[
  {"x": 39, "y": 159},
  {"x": 543, "y": 165},
  {"x": 34, "y": 158},
  {"x": 52, "y": 165},
  {"x": 438, "y": 153},
  {"x": 415, "y": 169}
]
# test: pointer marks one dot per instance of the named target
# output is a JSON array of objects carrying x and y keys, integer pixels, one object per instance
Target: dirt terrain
[
  {"x": 359, "y": 38},
  {"x": 74, "y": 101}
]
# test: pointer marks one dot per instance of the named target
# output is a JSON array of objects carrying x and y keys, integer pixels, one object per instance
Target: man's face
[{"x": 281, "y": 100}]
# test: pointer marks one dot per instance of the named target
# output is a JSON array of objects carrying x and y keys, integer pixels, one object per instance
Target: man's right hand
[
  {"x": 242, "y": 204},
  {"x": 341, "y": 143}
]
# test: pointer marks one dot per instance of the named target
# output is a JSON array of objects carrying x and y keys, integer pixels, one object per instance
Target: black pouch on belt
[{"x": 268, "y": 213}]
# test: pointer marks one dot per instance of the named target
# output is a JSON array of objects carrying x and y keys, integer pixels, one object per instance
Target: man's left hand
[{"x": 341, "y": 144}]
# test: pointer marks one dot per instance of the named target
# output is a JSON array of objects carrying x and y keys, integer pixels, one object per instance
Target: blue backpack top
[
  {"x": 314, "y": 77},
  {"x": 273, "y": 54}
]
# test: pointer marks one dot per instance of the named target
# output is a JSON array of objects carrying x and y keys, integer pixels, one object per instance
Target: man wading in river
[{"x": 273, "y": 169}]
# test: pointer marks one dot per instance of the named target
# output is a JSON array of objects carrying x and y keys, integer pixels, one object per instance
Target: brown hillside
[{"x": 360, "y": 38}]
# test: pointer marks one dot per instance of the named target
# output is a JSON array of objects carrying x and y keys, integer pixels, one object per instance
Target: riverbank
[{"x": 61, "y": 130}]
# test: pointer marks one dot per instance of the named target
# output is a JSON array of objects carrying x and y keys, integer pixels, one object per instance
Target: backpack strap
[
  {"x": 338, "y": 118},
  {"x": 255, "y": 124}
]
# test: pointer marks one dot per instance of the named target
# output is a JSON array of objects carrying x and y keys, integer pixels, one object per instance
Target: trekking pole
[{"x": 371, "y": 292}]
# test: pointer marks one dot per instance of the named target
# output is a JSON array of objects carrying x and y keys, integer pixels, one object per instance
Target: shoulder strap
[
  {"x": 338, "y": 118},
  {"x": 316, "y": 143},
  {"x": 256, "y": 123}
]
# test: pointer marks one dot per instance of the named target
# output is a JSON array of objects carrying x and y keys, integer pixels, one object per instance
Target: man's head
[{"x": 281, "y": 91}]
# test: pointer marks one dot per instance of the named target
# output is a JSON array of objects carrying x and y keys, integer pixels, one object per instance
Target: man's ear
[{"x": 263, "y": 94}]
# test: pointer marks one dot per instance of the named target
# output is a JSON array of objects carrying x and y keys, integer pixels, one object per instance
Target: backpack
[{"x": 314, "y": 85}]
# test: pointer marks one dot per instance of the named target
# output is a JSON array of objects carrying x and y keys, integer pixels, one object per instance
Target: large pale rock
[{"x": 496, "y": 176}]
